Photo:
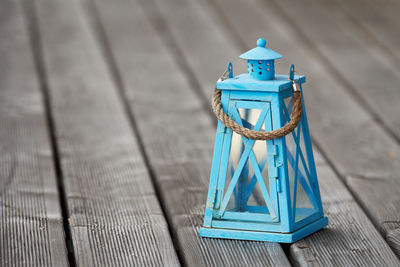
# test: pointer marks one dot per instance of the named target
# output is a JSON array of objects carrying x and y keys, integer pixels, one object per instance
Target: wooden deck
[{"x": 107, "y": 132}]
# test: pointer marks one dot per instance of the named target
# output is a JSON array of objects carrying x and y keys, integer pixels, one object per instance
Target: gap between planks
[
  {"x": 108, "y": 223},
  {"x": 34, "y": 36},
  {"x": 381, "y": 137},
  {"x": 185, "y": 232},
  {"x": 210, "y": 87},
  {"x": 357, "y": 95},
  {"x": 31, "y": 220},
  {"x": 93, "y": 15}
]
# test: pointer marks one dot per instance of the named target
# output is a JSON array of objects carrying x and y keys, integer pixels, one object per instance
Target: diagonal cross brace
[
  {"x": 257, "y": 172},
  {"x": 247, "y": 153},
  {"x": 295, "y": 176},
  {"x": 297, "y": 142},
  {"x": 253, "y": 180}
]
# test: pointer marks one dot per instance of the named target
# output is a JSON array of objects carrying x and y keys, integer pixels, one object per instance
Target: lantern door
[{"x": 247, "y": 179}]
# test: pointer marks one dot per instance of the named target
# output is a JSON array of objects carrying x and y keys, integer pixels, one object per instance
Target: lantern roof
[
  {"x": 243, "y": 82},
  {"x": 261, "y": 52}
]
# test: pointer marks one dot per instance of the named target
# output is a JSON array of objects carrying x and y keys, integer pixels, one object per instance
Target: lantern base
[{"x": 265, "y": 236}]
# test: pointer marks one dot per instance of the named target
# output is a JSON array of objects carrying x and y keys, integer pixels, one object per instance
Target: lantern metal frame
[{"x": 277, "y": 222}]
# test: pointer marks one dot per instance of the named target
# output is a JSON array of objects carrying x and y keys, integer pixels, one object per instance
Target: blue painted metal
[
  {"x": 291, "y": 72},
  {"x": 244, "y": 82},
  {"x": 265, "y": 235},
  {"x": 260, "y": 63},
  {"x": 262, "y": 190},
  {"x": 261, "y": 52}
]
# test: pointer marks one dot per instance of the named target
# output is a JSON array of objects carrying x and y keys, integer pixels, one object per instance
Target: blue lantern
[{"x": 263, "y": 182}]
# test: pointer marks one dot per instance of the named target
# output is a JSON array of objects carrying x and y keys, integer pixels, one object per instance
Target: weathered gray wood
[
  {"x": 389, "y": 9},
  {"x": 361, "y": 151},
  {"x": 204, "y": 30},
  {"x": 377, "y": 23},
  {"x": 350, "y": 238},
  {"x": 364, "y": 69},
  {"x": 115, "y": 217},
  {"x": 31, "y": 227},
  {"x": 177, "y": 135},
  {"x": 375, "y": 173},
  {"x": 204, "y": 47}
]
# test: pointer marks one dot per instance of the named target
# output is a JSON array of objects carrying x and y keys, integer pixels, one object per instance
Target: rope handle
[{"x": 295, "y": 117}]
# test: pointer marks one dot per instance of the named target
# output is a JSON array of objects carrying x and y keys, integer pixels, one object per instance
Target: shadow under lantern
[{"x": 264, "y": 190}]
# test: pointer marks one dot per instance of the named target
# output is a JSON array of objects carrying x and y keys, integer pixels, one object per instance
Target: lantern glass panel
[
  {"x": 302, "y": 195},
  {"x": 248, "y": 194}
]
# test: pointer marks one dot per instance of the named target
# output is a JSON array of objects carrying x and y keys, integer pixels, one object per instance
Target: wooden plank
[
  {"x": 115, "y": 217},
  {"x": 204, "y": 30},
  {"x": 31, "y": 223},
  {"x": 377, "y": 83},
  {"x": 389, "y": 9},
  {"x": 365, "y": 70},
  {"x": 203, "y": 46},
  {"x": 377, "y": 23},
  {"x": 350, "y": 238},
  {"x": 372, "y": 176},
  {"x": 177, "y": 135}
]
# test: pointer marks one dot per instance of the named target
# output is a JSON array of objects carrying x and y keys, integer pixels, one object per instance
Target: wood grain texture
[
  {"x": 373, "y": 176},
  {"x": 115, "y": 217},
  {"x": 361, "y": 64},
  {"x": 362, "y": 152},
  {"x": 177, "y": 135},
  {"x": 339, "y": 203},
  {"x": 377, "y": 23},
  {"x": 201, "y": 43},
  {"x": 350, "y": 238},
  {"x": 31, "y": 227}
]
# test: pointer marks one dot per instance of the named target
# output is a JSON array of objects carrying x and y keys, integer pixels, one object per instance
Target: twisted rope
[{"x": 258, "y": 135}]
